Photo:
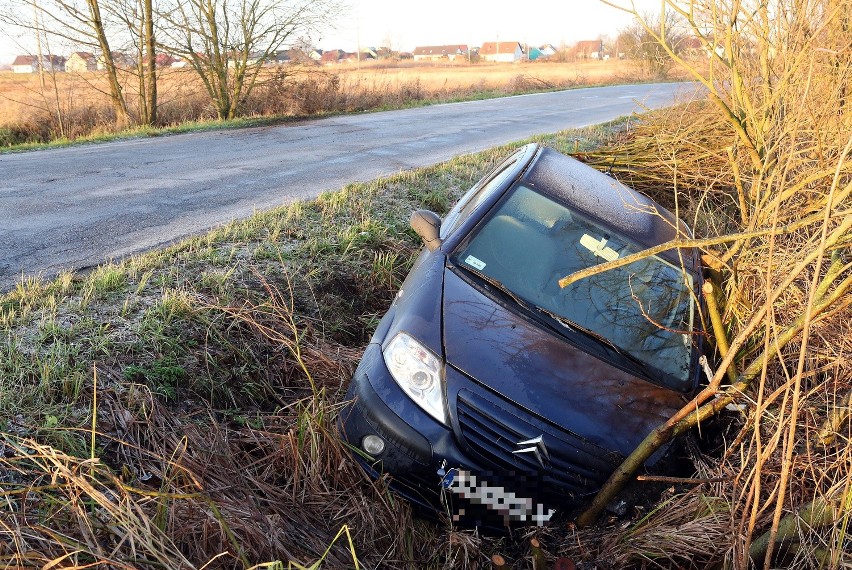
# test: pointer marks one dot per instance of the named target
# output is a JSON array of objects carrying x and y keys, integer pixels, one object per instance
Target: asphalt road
[{"x": 76, "y": 207}]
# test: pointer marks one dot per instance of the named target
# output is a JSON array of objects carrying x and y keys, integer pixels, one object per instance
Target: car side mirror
[{"x": 427, "y": 224}]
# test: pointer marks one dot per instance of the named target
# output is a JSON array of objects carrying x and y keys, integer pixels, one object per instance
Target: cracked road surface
[{"x": 76, "y": 207}]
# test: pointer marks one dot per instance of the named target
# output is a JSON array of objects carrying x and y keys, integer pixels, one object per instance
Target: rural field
[
  {"x": 73, "y": 105},
  {"x": 461, "y": 76},
  {"x": 178, "y": 409}
]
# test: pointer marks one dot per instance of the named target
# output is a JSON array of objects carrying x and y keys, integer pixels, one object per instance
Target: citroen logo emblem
[{"x": 536, "y": 448}]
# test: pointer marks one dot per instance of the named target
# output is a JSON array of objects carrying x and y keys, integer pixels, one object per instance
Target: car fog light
[{"x": 373, "y": 444}]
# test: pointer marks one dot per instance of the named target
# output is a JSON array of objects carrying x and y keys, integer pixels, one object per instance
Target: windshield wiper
[
  {"x": 599, "y": 338},
  {"x": 497, "y": 285}
]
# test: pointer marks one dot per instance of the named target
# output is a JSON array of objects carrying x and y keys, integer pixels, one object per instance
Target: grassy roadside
[
  {"x": 247, "y": 122},
  {"x": 306, "y": 95},
  {"x": 151, "y": 131},
  {"x": 177, "y": 409}
]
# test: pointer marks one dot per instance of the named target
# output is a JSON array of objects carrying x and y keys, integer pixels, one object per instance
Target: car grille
[{"x": 491, "y": 429}]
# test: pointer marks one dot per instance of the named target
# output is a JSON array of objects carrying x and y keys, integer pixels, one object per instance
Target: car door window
[{"x": 476, "y": 195}]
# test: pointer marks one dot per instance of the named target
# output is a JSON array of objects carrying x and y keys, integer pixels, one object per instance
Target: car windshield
[{"x": 645, "y": 308}]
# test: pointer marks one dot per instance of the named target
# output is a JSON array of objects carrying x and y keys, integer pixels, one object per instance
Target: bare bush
[
  {"x": 651, "y": 49},
  {"x": 765, "y": 166},
  {"x": 228, "y": 44}
]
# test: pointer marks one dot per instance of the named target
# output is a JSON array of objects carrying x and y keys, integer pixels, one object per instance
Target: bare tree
[
  {"x": 301, "y": 48},
  {"x": 637, "y": 42},
  {"x": 150, "y": 48},
  {"x": 227, "y": 42},
  {"x": 137, "y": 19},
  {"x": 100, "y": 25},
  {"x": 74, "y": 22}
]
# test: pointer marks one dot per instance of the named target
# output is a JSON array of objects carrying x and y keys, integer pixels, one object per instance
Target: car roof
[{"x": 603, "y": 198}]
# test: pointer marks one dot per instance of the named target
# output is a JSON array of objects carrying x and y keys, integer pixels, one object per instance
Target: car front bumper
[
  {"x": 422, "y": 455},
  {"x": 415, "y": 447}
]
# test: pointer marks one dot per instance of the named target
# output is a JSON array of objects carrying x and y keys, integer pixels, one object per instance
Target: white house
[
  {"x": 30, "y": 64},
  {"x": 501, "y": 51},
  {"x": 547, "y": 50}
]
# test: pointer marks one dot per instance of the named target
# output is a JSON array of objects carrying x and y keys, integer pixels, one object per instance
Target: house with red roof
[
  {"x": 589, "y": 49},
  {"x": 692, "y": 47},
  {"x": 80, "y": 61},
  {"x": 501, "y": 51},
  {"x": 332, "y": 56}
]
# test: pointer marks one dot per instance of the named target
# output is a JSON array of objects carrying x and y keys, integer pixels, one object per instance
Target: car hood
[{"x": 516, "y": 359}]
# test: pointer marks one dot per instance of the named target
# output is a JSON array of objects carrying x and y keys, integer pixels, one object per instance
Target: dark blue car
[{"x": 489, "y": 383}]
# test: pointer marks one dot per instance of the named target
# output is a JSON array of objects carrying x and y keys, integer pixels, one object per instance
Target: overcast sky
[{"x": 435, "y": 22}]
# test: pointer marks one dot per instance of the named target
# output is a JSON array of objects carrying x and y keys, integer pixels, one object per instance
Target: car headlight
[{"x": 419, "y": 373}]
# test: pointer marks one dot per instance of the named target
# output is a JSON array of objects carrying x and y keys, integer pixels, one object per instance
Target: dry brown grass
[
  {"x": 776, "y": 178},
  {"x": 188, "y": 487},
  {"x": 77, "y": 104},
  {"x": 461, "y": 76},
  {"x": 185, "y": 492}
]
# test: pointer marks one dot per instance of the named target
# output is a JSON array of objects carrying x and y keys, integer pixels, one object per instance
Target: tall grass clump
[{"x": 762, "y": 168}]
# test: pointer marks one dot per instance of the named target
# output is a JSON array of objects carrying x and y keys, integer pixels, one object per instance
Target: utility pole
[
  {"x": 40, "y": 60},
  {"x": 358, "y": 36}
]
